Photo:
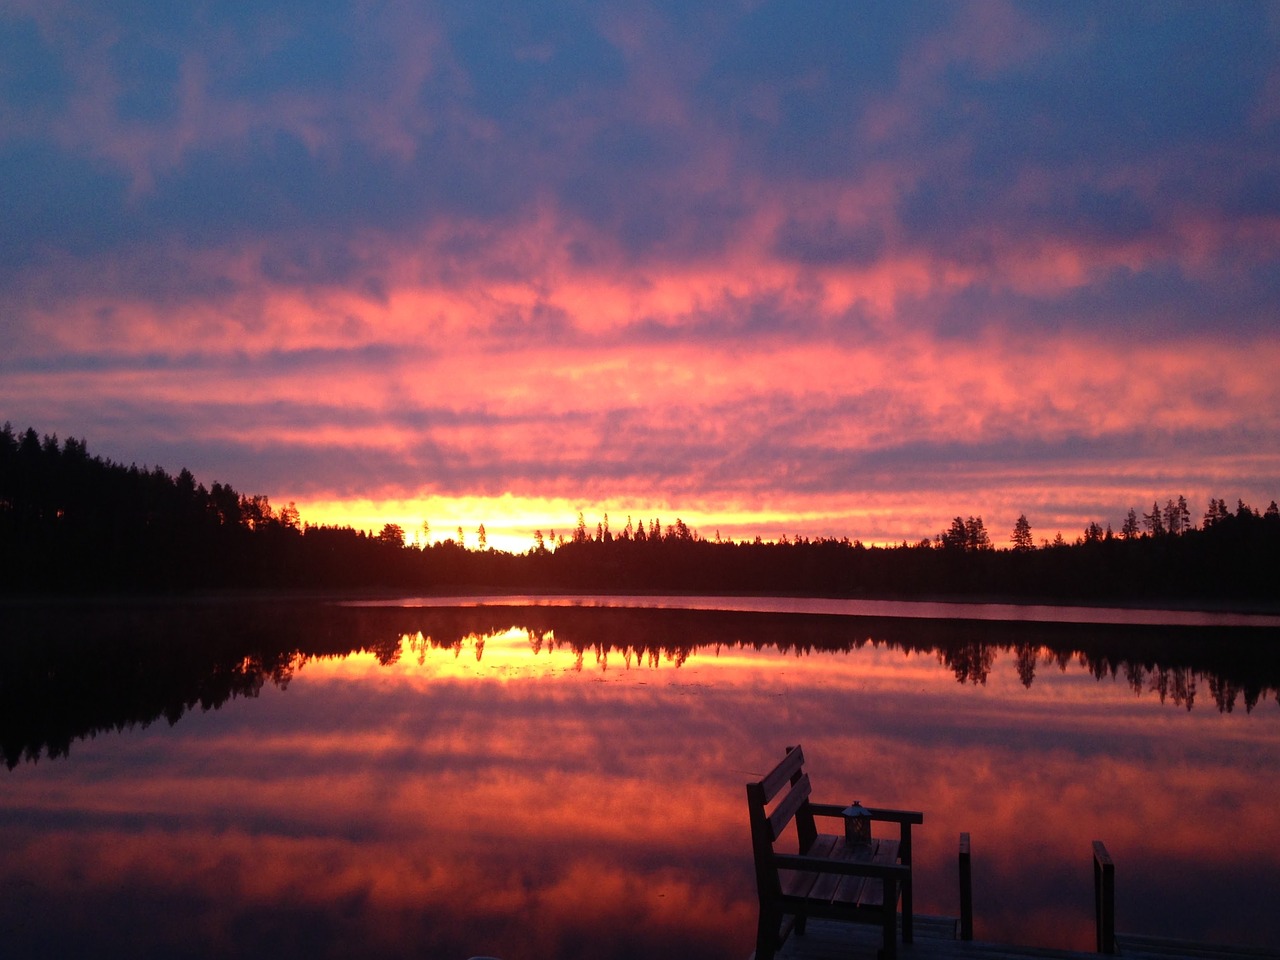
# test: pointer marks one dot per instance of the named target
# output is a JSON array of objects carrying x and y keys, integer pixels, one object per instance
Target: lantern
[{"x": 857, "y": 824}]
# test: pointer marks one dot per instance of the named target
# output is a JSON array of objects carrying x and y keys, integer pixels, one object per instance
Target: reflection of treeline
[
  {"x": 73, "y": 671},
  {"x": 71, "y": 522},
  {"x": 1236, "y": 665},
  {"x": 76, "y": 670}
]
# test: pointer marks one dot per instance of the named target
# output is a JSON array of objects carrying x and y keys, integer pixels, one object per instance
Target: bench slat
[
  {"x": 797, "y": 883},
  {"x": 866, "y": 891},
  {"x": 805, "y": 883},
  {"x": 825, "y": 888},
  {"x": 859, "y": 890},
  {"x": 899, "y": 872},
  {"x": 781, "y": 775},
  {"x": 787, "y": 807},
  {"x": 886, "y": 852}
]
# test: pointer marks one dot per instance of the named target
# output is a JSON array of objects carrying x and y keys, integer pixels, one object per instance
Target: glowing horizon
[{"x": 851, "y": 273}]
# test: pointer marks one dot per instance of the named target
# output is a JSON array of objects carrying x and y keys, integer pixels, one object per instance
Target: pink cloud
[{"x": 674, "y": 288}]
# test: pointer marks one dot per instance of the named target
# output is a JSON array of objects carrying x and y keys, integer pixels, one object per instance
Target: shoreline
[{"x": 941, "y": 606}]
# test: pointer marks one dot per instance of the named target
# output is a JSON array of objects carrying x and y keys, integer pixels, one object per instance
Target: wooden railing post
[
  {"x": 1104, "y": 898},
  {"x": 966, "y": 890},
  {"x": 908, "y": 896}
]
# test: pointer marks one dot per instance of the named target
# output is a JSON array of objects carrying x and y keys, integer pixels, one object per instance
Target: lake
[{"x": 564, "y": 777}]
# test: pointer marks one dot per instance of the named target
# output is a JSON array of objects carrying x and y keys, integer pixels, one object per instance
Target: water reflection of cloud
[{"x": 412, "y": 793}]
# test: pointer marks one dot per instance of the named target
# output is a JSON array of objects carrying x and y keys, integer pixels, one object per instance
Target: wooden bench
[{"x": 827, "y": 877}]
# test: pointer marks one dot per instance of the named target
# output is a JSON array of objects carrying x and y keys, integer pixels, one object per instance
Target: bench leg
[
  {"x": 767, "y": 933},
  {"x": 907, "y": 923},
  {"x": 890, "y": 949}
]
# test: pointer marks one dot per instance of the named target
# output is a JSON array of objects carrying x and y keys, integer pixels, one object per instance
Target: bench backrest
[{"x": 767, "y": 825}]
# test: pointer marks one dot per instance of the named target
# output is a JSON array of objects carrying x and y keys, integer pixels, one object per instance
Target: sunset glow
[{"x": 844, "y": 272}]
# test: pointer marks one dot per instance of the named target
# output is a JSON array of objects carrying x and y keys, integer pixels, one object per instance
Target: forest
[{"x": 75, "y": 523}]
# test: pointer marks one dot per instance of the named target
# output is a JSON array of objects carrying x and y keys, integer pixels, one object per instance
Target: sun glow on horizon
[
  {"x": 882, "y": 519},
  {"x": 510, "y": 522}
]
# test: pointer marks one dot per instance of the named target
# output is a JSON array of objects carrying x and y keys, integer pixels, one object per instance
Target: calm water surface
[{"x": 447, "y": 778}]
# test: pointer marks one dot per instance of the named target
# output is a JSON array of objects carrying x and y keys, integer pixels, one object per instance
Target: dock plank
[
  {"x": 1140, "y": 947},
  {"x": 936, "y": 938}
]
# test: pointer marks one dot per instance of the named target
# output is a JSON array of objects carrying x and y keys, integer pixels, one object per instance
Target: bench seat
[{"x": 850, "y": 889}]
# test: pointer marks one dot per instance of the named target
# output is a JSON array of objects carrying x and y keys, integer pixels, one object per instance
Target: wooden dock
[
  {"x": 951, "y": 938},
  {"x": 937, "y": 938}
]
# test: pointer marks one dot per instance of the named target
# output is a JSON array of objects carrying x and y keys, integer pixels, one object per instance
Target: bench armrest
[
  {"x": 877, "y": 813},
  {"x": 880, "y": 871}
]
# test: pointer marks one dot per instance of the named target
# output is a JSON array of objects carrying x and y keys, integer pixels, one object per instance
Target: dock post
[
  {"x": 1104, "y": 898},
  {"x": 966, "y": 890}
]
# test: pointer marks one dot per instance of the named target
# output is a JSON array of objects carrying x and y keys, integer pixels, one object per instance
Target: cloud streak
[{"x": 742, "y": 263}]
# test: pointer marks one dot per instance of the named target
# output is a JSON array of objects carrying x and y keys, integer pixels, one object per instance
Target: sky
[{"x": 820, "y": 269}]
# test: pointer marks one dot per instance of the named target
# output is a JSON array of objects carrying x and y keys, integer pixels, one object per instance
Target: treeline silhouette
[
  {"x": 74, "y": 670},
  {"x": 72, "y": 522}
]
